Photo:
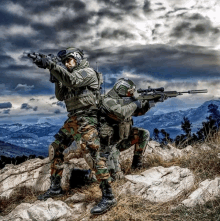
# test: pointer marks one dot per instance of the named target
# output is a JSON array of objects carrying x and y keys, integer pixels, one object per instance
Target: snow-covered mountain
[
  {"x": 171, "y": 122},
  {"x": 37, "y": 136}
]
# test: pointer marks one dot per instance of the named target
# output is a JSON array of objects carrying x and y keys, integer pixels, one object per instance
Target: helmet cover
[
  {"x": 123, "y": 86},
  {"x": 76, "y": 53}
]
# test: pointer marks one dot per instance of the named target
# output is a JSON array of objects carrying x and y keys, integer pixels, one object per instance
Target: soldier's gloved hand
[
  {"x": 138, "y": 103},
  {"x": 145, "y": 103},
  {"x": 42, "y": 62},
  {"x": 163, "y": 97}
]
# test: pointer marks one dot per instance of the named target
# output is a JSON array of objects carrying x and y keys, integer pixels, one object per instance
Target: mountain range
[{"x": 34, "y": 138}]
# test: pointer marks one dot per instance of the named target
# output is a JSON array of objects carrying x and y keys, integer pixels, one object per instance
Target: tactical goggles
[{"x": 64, "y": 53}]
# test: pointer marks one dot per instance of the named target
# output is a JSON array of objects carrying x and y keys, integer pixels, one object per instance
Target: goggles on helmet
[
  {"x": 74, "y": 52},
  {"x": 124, "y": 86}
]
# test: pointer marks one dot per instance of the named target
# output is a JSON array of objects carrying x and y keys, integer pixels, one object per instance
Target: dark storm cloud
[
  {"x": 79, "y": 22},
  {"x": 35, "y": 108},
  {"x": 160, "y": 61},
  {"x": 5, "y": 105},
  {"x": 22, "y": 42},
  {"x": 5, "y": 59},
  {"x": 35, "y": 6},
  {"x": 194, "y": 24},
  {"x": 26, "y": 106},
  {"x": 6, "y": 111},
  {"x": 180, "y": 29},
  {"x": 116, "y": 34},
  {"x": 146, "y": 7},
  {"x": 76, "y": 4},
  {"x": 7, "y": 18},
  {"x": 160, "y": 9},
  {"x": 106, "y": 12},
  {"x": 60, "y": 103},
  {"x": 196, "y": 16},
  {"x": 14, "y": 76},
  {"x": 127, "y": 5},
  {"x": 57, "y": 111}
]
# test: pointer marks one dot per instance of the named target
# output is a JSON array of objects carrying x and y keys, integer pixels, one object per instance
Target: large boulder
[
  {"x": 167, "y": 153},
  {"x": 34, "y": 173},
  {"x": 43, "y": 211},
  {"x": 159, "y": 184},
  {"x": 208, "y": 190}
]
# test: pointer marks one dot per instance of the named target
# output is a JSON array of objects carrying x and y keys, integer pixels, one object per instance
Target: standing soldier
[{"x": 78, "y": 87}]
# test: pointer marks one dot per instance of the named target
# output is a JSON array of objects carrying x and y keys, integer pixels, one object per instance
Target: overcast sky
[{"x": 169, "y": 43}]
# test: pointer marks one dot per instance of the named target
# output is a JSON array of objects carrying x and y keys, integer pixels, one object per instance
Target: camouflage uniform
[
  {"x": 118, "y": 113},
  {"x": 79, "y": 92}
]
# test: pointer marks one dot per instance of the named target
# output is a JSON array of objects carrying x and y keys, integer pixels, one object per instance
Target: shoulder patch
[{"x": 84, "y": 74}]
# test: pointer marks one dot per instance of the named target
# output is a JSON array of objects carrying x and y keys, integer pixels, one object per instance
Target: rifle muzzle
[{"x": 198, "y": 91}]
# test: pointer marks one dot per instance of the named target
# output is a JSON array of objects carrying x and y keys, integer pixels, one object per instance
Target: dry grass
[
  {"x": 21, "y": 195},
  {"x": 206, "y": 165}
]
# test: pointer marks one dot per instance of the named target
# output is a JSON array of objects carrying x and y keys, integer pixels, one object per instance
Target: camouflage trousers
[
  {"x": 138, "y": 137},
  {"x": 83, "y": 129}
]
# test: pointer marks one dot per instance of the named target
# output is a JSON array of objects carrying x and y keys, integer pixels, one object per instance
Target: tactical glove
[
  {"x": 42, "y": 62},
  {"x": 138, "y": 103}
]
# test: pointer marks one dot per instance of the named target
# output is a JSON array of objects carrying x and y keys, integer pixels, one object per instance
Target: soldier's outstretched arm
[{"x": 114, "y": 109}]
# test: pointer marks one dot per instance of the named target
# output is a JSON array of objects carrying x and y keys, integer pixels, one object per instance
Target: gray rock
[
  {"x": 159, "y": 184},
  {"x": 208, "y": 190},
  {"x": 40, "y": 211},
  {"x": 77, "y": 197},
  {"x": 32, "y": 173}
]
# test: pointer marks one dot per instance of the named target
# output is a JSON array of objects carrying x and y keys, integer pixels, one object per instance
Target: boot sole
[
  {"x": 50, "y": 197},
  {"x": 105, "y": 210}
]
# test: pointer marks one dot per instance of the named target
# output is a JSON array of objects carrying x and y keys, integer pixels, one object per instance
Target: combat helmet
[
  {"x": 124, "y": 86},
  {"x": 76, "y": 53}
]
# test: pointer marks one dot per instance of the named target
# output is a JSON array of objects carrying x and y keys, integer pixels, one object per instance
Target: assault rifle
[
  {"x": 153, "y": 95},
  {"x": 36, "y": 57}
]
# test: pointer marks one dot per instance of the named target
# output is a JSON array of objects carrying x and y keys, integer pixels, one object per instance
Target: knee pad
[
  {"x": 63, "y": 138},
  {"x": 145, "y": 135},
  {"x": 52, "y": 150}
]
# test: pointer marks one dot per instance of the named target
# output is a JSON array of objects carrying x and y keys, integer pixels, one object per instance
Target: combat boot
[
  {"x": 107, "y": 200},
  {"x": 137, "y": 162},
  {"x": 54, "y": 190}
]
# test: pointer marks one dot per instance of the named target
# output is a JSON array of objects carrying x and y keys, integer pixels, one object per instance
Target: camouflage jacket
[
  {"x": 117, "y": 112},
  {"x": 113, "y": 106},
  {"x": 79, "y": 88}
]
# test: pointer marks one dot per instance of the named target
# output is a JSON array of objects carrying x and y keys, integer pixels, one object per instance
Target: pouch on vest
[{"x": 125, "y": 129}]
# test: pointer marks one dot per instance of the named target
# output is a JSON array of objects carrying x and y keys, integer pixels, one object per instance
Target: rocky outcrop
[
  {"x": 41, "y": 211},
  {"x": 208, "y": 190},
  {"x": 159, "y": 184},
  {"x": 32, "y": 173},
  {"x": 166, "y": 153},
  {"x": 35, "y": 173}
]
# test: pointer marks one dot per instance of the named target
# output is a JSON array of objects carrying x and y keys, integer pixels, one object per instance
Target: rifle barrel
[{"x": 195, "y": 91}]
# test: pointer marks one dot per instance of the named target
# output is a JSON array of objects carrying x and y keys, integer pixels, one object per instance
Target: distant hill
[
  {"x": 171, "y": 122},
  {"x": 10, "y": 150},
  {"x": 35, "y": 138}
]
